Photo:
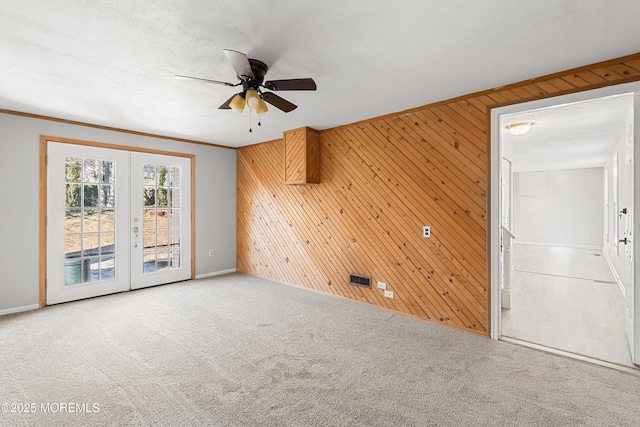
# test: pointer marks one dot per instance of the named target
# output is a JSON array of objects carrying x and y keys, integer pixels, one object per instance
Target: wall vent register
[{"x": 358, "y": 280}]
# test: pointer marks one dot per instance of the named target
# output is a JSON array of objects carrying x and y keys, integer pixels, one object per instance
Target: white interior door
[
  {"x": 625, "y": 235},
  {"x": 87, "y": 222},
  {"x": 160, "y": 219},
  {"x": 632, "y": 297},
  {"x": 630, "y": 220},
  {"x": 116, "y": 220}
]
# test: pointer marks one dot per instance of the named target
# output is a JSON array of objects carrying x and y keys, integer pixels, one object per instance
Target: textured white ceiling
[
  {"x": 112, "y": 62},
  {"x": 570, "y": 136}
]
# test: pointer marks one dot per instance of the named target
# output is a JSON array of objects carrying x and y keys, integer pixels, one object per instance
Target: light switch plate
[
  {"x": 388, "y": 294},
  {"x": 382, "y": 285}
]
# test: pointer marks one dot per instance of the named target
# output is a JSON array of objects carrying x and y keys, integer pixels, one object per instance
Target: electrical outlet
[
  {"x": 426, "y": 231},
  {"x": 382, "y": 285},
  {"x": 388, "y": 294},
  {"x": 210, "y": 252}
]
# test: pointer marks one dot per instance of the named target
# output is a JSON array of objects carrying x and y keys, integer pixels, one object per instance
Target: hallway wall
[{"x": 559, "y": 208}]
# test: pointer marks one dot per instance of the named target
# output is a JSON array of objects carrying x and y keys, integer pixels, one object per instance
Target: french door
[
  {"x": 160, "y": 219},
  {"x": 116, "y": 220},
  {"x": 632, "y": 219}
]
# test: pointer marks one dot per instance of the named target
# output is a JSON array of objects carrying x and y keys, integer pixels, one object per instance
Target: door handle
[
  {"x": 135, "y": 230},
  {"x": 625, "y": 241}
]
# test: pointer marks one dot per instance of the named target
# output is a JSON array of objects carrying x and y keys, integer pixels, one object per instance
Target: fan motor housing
[{"x": 259, "y": 69}]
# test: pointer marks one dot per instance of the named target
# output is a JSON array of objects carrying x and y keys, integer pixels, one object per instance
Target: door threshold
[{"x": 635, "y": 370}]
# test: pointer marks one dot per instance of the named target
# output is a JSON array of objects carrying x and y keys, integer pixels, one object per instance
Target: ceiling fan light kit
[
  {"x": 250, "y": 73},
  {"x": 238, "y": 102},
  {"x": 261, "y": 108},
  {"x": 252, "y": 98}
]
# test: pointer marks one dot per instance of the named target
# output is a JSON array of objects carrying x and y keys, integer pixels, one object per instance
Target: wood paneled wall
[{"x": 381, "y": 181}]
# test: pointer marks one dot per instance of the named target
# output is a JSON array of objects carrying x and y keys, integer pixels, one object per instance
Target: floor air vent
[{"x": 356, "y": 279}]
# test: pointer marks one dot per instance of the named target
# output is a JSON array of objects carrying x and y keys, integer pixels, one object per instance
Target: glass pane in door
[
  {"x": 89, "y": 222},
  {"x": 162, "y": 232}
]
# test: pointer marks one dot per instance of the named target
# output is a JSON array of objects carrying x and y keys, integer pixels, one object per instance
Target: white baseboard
[
  {"x": 556, "y": 245},
  {"x": 215, "y": 273},
  {"x": 19, "y": 309}
]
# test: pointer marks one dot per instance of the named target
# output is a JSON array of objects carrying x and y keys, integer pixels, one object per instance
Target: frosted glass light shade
[
  {"x": 519, "y": 129},
  {"x": 262, "y": 107},
  {"x": 237, "y": 103},
  {"x": 252, "y": 98}
]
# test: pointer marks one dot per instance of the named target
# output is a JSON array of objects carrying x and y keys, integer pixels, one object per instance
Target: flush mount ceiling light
[{"x": 519, "y": 129}]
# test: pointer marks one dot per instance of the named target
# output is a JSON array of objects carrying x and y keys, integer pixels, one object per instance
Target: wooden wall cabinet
[{"x": 302, "y": 156}]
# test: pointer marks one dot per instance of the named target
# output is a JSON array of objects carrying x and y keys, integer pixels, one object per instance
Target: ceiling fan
[{"x": 250, "y": 73}]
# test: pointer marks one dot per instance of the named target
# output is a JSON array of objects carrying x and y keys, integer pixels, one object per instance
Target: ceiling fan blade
[
  {"x": 218, "y": 82},
  {"x": 278, "y": 102},
  {"x": 291, "y": 84},
  {"x": 226, "y": 105},
  {"x": 240, "y": 63}
]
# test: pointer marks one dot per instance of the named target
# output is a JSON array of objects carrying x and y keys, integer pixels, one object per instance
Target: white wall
[
  {"x": 561, "y": 207},
  {"x": 215, "y": 202}
]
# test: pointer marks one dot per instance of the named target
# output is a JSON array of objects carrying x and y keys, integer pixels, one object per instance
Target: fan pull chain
[{"x": 250, "y": 130}]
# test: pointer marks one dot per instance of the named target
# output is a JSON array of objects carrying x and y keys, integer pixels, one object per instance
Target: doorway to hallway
[{"x": 556, "y": 302}]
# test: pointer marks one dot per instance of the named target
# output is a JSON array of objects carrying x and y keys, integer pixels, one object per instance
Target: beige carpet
[{"x": 238, "y": 350}]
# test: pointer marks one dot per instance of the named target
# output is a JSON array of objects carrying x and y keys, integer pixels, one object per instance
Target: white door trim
[{"x": 495, "y": 168}]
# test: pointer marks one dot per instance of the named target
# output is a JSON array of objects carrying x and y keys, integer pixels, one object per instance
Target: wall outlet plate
[
  {"x": 426, "y": 231},
  {"x": 382, "y": 285},
  {"x": 388, "y": 294},
  {"x": 210, "y": 252}
]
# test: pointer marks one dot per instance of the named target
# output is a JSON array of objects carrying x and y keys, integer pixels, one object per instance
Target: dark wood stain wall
[{"x": 381, "y": 181}]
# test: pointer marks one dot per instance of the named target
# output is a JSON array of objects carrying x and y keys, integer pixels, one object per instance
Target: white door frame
[{"x": 496, "y": 168}]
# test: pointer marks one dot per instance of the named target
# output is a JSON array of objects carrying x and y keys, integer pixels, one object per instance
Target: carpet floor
[{"x": 236, "y": 350}]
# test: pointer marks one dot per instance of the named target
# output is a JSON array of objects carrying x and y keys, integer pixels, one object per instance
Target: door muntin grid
[
  {"x": 89, "y": 221},
  {"x": 162, "y": 217}
]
